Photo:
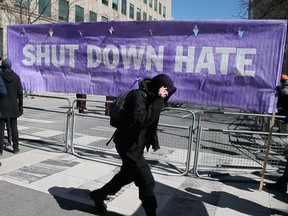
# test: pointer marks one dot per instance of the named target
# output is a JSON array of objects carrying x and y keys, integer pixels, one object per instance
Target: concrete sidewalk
[{"x": 46, "y": 182}]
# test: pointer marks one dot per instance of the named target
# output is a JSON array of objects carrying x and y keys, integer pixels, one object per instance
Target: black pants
[
  {"x": 14, "y": 133},
  {"x": 81, "y": 104},
  {"x": 138, "y": 172},
  {"x": 284, "y": 178}
]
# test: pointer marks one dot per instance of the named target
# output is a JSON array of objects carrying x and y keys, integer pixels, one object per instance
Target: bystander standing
[{"x": 11, "y": 105}]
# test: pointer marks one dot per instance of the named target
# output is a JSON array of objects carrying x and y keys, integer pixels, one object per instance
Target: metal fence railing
[
  {"x": 90, "y": 133},
  {"x": 203, "y": 142},
  {"x": 45, "y": 122},
  {"x": 240, "y": 147}
]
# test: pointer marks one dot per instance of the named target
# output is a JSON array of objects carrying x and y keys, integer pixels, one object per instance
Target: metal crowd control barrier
[
  {"x": 45, "y": 122},
  {"x": 236, "y": 147},
  {"x": 91, "y": 131}
]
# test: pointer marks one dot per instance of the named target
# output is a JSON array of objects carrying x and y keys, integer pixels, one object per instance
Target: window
[
  {"x": 144, "y": 15},
  {"x": 138, "y": 14},
  {"x": 160, "y": 8},
  {"x": 124, "y": 7},
  {"x": 63, "y": 10},
  {"x": 92, "y": 16},
  {"x": 105, "y": 2},
  {"x": 79, "y": 13},
  {"x": 164, "y": 11},
  {"x": 131, "y": 11},
  {"x": 155, "y": 5},
  {"x": 145, "y": 1},
  {"x": 44, "y": 7},
  {"x": 150, "y": 17},
  {"x": 104, "y": 19},
  {"x": 115, "y": 5},
  {"x": 21, "y": 3},
  {"x": 150, "y": 3}
]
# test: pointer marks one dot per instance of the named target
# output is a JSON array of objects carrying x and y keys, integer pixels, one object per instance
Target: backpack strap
[{"x": 110, "y": 139}]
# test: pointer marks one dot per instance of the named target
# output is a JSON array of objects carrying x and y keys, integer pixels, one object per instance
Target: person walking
[
  {"x": 142, "y": 112},
  {"x": 11, "y": 105}
]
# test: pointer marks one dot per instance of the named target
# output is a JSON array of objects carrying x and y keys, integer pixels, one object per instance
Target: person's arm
[
  {"x": 144, "y": 114},
  {"x": 20, "y": 96},
  {"x": 3, "y": 90}
]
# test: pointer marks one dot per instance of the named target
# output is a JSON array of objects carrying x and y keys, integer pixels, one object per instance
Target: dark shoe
[
  {"x": 277, "y": 187},
  {"x": 98, "y": 197},
  {"x": 81, "y": 110},
  {"x": 16, "y": 150}
]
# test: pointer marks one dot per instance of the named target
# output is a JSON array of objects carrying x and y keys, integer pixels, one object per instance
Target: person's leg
[
  {"x": 122, "y": 178},
  {"x": 281, "y": 183},
  {"x": 15, "y": 135},
  {"x": 284, "y": 178},
  {"x": 9, "y": 131},
  {"x": 2, "y": 129},
  {"x": 82, "y": 103},
  {"x": 144, "y": 180},
  {"x": 77, "y": 102}
]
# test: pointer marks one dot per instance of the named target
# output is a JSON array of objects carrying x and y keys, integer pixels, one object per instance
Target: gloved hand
[{"x": 20, "y": 110}]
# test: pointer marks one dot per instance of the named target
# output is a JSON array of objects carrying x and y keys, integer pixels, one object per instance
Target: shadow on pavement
[
  {"x": 236, "y": 203},
  {"x": 62, "y": 196}
]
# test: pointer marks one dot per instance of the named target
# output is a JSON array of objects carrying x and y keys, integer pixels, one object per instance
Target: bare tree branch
[{"x": 263, "y": 9}]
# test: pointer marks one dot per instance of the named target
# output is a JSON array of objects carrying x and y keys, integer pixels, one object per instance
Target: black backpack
[{"x": 117, "y": 112}]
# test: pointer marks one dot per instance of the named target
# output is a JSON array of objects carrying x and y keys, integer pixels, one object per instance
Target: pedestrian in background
[
  {"x": 11, "y": 105},
  {"x": 3, "y": 92},
  {"x": 81, "y": 104},
  {"x": 282, "y": 91},
  {"x": 142, "y": 110},
  {"x": 282, "y": 109},
  {"x": 8, "y": 127}
]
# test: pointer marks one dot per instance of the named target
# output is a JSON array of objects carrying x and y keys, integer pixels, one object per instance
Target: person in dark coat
[
  {"x": 11, "y": 105},
  {"x": 282, "y": 108},
  {"x": 282, "y": 90},
  {"x": 142, "y": 107}
]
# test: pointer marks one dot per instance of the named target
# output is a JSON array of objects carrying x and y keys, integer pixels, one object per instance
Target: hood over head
[
  {"x": 162, "y": 80},
  {"x": 6, "y": 63},
  {"x": 144, "y": 83}
]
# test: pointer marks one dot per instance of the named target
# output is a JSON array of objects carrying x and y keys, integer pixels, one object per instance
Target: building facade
[{"x": 45, "y": 11}]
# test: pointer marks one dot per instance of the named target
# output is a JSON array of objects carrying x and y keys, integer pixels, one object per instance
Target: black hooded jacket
[
  {"x": 11, "y": 105},
  {"x": 142, "y": 107}
]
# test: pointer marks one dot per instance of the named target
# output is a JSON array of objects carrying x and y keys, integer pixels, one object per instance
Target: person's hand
[{"x": 163, "y": 92}]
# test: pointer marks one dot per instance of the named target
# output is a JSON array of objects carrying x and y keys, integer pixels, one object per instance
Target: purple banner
[{"x": 222, "y": 63}]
